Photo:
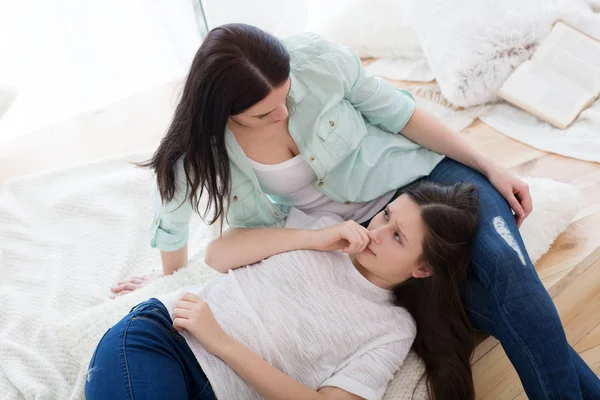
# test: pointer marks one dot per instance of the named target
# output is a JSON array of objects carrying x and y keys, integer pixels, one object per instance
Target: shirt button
[
  {"x": 331, "y": 123},
  {"x": 320, "y": 184},
  {"x": 235, "y": 198},
  {"x": 312, "y": 158}
]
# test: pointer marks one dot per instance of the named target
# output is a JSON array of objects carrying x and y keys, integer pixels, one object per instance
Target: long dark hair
[
  {"x": 444, "y": 338},
  {"x": 236, "y": 66}
]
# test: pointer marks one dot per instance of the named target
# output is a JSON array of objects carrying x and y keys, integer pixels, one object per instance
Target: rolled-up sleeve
[
  {"x": 169, "y": 230},
  {"x": 377, "y": 100}
]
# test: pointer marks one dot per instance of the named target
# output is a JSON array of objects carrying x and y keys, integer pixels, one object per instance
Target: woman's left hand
[
  {"x": 514, "y": 190},
  {"x": 194, "y": 315}
]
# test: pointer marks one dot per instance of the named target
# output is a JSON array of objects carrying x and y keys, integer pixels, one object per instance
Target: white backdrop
[
  {"x": 279, "y": 17},
  {"x": 69, "y": 56}
]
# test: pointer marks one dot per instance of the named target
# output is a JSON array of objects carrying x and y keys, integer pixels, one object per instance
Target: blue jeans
[
  {"x": 505, "y": 298},
  {"x": 144, "y": 357}
]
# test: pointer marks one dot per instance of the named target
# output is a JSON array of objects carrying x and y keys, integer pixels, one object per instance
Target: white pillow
[
  {"x": 474, "y": 47},
  {"x": 372, "y": 28},
  {"x": 555, "y": 206}
]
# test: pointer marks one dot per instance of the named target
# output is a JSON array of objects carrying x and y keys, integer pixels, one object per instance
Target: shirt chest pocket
[
  {"x": 242, "y": 203},
  {"x": 341, "y": 128}
]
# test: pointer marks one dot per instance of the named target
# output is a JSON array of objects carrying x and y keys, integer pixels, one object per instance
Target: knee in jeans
[{"x": 504, "y": 232}]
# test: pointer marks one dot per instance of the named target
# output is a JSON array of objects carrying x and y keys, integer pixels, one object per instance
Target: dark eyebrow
[
  {"x": 265, "y": 114},
  {"x": 400, "y": 231}
]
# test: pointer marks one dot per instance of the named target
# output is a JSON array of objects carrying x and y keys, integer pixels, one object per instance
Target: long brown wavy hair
[
  {"x": 236, "y": 66},
  {"x": 444, "y": 338}
]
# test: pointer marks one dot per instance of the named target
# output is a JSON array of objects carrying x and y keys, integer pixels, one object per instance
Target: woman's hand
[
  {"x": 131, "y": 284},
  {"x": 514, "y": 190},
  {"x": 194, "y": 315},
  {"x": 348, "y": 236}
]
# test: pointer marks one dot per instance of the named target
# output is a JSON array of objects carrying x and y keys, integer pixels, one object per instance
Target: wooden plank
[
  {"x": 483, "y": 348},
  {"x": 521, "y": 396},
  {"x": 578, "y": 302},
  {"x": 571, "y": 248},
  {"x": 573, "y": 276},
  {"x": 592, "y": 358},
  {"x": 589, "y": 341},
  {"x": 495, "y": 378}
]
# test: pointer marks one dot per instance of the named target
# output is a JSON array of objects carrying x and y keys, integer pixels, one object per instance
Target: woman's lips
[{"x": 368, "y": 250}]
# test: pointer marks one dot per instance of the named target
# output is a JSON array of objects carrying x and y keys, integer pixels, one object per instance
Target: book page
[
  {"x": 572, "y": 54},
  {"x": 545, "y": 93}
]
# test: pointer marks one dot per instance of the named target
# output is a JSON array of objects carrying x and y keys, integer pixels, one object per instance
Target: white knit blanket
[{"x": 67, "y": 236}]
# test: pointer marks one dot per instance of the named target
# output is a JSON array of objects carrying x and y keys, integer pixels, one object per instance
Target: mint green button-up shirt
[{"x": 345, "y": 123}]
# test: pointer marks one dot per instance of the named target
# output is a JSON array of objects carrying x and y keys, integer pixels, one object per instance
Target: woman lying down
[{"x": 302, "y": 324}]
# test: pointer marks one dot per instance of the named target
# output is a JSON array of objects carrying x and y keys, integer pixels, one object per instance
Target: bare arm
[
  {"x": 238, "y": 247},
  {"x": 173, "y": 260},
  {"x": 242, "y": 246},
  {"x": 269, "y": 381},
  {"x": 428, "y": 131}
]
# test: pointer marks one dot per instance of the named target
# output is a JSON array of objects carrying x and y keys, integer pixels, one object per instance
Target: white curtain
[
  {"x": 279, "y": 17},
  {"x": 69, "y": 56}
]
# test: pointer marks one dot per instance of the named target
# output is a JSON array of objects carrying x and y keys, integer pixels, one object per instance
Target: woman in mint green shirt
[{"x": 264, "y": 125}]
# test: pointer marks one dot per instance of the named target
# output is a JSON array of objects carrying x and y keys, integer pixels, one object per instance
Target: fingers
[
  {"x": 366, "y": 239},
  {"x": 521, "y": 203},
  {"x": 357, "y": 238},
  {"x": 190, "y": 297},
  {"x": 513, "y": 202},
  {"x": 131, "y": 284},
  {"x": 185, "y": 304},
  {"x": 134, "y": 279},
  {"x": 180, "y": 312},
  {"x": 181, "y": 323},
  {"x": 525, "y": 199},
  {"x": 121, "y": 293},
  {"x": 126, "y": 286}
]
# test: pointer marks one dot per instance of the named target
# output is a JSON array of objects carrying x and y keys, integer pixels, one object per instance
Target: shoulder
[
  {"x": 405, "y": 324},
  {"x": 311, "y": 49}
]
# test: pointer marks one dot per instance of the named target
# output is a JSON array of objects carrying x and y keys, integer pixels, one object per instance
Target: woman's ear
[{"x": 423, "y": 272}]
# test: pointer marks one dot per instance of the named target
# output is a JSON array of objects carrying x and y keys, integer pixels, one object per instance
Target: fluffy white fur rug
[{"x": 68, "y": 236}]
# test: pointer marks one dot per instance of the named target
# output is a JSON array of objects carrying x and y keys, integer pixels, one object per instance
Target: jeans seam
[
  {"x": 471, "y": 310},
  {"x": 201, "y": 393},
  {"x": 516, "y": 336},
  {"x": 125, "y": 359}
]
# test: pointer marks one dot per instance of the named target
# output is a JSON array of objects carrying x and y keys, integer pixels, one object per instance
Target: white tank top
[{"x": 292, "y": 183}]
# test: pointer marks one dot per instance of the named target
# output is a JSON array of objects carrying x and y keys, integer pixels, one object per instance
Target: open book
[{"x": 561, "y": 79}]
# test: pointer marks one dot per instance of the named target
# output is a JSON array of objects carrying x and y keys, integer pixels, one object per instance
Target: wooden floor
[{"x": 571, "y": 270}]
